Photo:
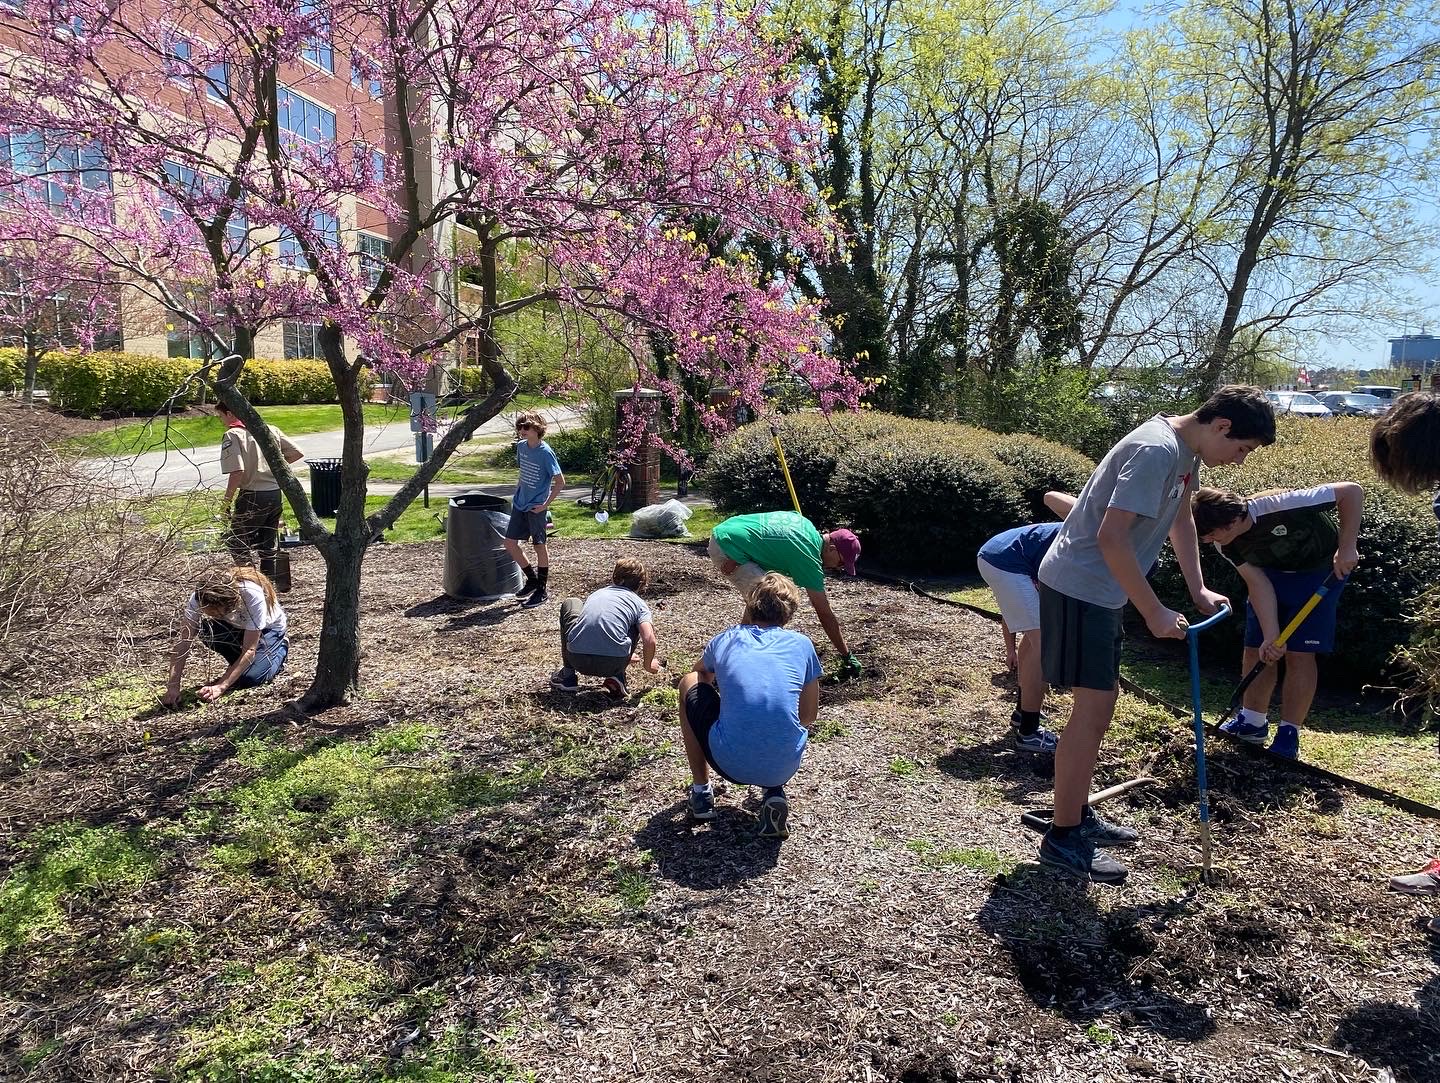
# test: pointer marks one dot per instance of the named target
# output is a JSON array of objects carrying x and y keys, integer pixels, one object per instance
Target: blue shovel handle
[{"x": 1193, "y": 635}]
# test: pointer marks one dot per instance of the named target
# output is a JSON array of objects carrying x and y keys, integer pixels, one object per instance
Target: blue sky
[{"x": 1366, "y": 345}]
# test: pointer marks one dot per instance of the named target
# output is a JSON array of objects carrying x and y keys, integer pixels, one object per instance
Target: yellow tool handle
[{"x": 785, "y": 469}]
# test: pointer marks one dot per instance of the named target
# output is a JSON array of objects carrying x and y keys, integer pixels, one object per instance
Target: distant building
[{"x": 1415, "y": 353}]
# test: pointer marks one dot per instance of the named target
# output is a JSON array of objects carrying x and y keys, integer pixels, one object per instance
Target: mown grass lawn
[
  {"x": 185, "y": 433},
  {"x": 195, "y": 518}
]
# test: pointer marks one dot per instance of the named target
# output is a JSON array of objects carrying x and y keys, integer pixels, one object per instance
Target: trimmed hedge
[
  {"x": 12, "y": 368},
  {"x": 743, "y": 473},
  {"x": 927, "y": 502},
  {"x": 111, "y": 383},
  {"x": 1400, "y": 557},
  {"x": 580, "y": 451},
  {"x": 129, "y": 383},
  {"x": 1039, "y": 466},
  {"x": 925, "y": 495}
]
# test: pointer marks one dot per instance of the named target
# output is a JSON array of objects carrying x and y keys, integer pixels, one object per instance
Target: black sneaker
[
  {"x": 530, "y": 584},
  {"x": 1077, "y": 855},
  {"x": 1102, "y": 832},
  {"x": 775, "y": 815},
  {"x": 565, "y": 680},
  {"x": 614, "y": 688},
  {"x": 1042, "y": 742},
  {"x": 701, "y": 804},
  {"x": 537, "y": 598}
]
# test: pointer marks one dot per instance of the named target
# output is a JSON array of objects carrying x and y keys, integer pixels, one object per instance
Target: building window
[
  {"x": 364, "y": 72},
  {"x": 318, "y": 49},
  {"x": 369, "y": 166},
  {"x": 305, "y": 121},
  {"x": 326, "y": 228},
  {"x": 209, "y": 187},
  {"x": 67, "y": 172},
  {"x": 374, "y": 255},
  {"x": 302, "y": 339},
  {"x": 183, "y": 340},
  {"x": 177, "y": 63},
  {"x": 217, "y": 82}
]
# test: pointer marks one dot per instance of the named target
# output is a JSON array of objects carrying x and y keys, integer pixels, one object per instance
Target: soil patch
[{"x": 466, "y": 873}]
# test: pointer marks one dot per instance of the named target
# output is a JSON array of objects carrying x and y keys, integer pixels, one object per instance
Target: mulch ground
[{"x": 577, "y": 928}]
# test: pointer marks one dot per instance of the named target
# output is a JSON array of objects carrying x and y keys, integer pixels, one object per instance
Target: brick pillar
[{"x": 645, "y": 467}]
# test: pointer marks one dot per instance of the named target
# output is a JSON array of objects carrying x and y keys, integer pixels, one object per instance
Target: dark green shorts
[{"x": 1079, "y": 642}]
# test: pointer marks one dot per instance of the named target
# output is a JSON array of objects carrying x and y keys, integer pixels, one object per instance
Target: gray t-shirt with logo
[
  {"x": 609, "y": 625},
  {"x": 1149, "y": 473}
]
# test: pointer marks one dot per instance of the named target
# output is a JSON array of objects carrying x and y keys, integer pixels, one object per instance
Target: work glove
[{"x": 849, "y": 667}]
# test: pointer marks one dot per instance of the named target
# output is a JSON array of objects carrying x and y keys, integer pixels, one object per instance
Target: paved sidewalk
[{"x": 175, "y": 471}]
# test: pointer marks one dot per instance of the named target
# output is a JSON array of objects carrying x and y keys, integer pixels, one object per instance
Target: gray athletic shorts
[
  {"x": 527, "y": 524},
  {"x": 1079, "y": 642}
]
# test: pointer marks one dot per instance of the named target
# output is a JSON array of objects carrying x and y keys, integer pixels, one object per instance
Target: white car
[{"x": 1297, "y": 403}]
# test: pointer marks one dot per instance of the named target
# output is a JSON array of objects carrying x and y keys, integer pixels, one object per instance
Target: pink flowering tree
[
  {"x": 219, "y": 156},
  {"x": 50, "y": 298}
]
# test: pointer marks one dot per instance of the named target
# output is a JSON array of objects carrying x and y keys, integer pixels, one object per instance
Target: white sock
[
  {"x": 700, "y": 787},
  {"x": 1292, "y": 724},
  {"x": 1254, "y": 718}
]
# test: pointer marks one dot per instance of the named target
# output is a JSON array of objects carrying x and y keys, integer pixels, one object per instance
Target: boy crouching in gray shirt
[
  {"x": 600, "y": 636},
  {"x": 1139, "y": 494}
]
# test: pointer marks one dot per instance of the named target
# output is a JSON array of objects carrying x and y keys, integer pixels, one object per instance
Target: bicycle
[{"x": 610, "y": 489}]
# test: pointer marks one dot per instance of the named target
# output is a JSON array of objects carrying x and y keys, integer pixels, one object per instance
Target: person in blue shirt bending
[
  {"x": 747, "y": 708},
  {"x": 539, "y": 484},
  {"x": 1010, "y": 564}
]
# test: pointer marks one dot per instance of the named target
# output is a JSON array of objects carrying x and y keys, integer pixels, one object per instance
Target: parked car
[
  {"x": 1350, "y": 404},
  {"x": 1298, "y": 403},
  {"x": 1381, "y": 391}
]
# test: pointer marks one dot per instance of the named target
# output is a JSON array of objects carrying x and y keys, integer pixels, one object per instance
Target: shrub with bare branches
[{"x": 81, "y": 571}]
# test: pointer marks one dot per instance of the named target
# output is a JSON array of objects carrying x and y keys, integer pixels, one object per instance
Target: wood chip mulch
[{"x": 577, "y": 927}]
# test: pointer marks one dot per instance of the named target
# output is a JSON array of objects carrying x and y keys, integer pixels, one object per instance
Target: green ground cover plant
[{"x": 65, "y": 861}]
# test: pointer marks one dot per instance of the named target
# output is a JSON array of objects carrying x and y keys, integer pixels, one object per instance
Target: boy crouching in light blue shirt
[{"x": 748, "y": 707}]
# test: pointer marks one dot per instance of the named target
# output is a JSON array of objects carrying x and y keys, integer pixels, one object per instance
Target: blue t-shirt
[
  {"x": 1021, "y": 550},
  {"x": 538, "y": 466},
  {"x": 758, "y": 738}
]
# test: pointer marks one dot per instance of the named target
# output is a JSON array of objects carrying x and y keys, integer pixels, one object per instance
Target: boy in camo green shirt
[{"x": 1284, "y": 545}]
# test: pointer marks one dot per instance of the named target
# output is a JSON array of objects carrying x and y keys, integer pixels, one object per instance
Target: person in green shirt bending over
[{"x": 744, "y": 547}]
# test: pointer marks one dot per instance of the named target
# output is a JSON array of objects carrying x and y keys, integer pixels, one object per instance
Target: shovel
[
  {"x": 1332, "y": 582},
  {"x": 1040, "y": 819},
  {"x": 1207, "y": 874}
]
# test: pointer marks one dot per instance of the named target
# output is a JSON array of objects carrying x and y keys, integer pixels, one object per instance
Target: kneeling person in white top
[
  {"x": 601, "y": 635},
  {"x": 236, "y": 614}
]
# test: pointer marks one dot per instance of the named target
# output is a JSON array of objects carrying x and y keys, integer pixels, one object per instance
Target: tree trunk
[
  {"x": 32, "y": 368},
  {"x": 337, "y": 669}
]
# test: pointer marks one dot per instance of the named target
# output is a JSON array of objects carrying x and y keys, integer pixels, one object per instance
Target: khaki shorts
[{"x": 742, "y": 578}]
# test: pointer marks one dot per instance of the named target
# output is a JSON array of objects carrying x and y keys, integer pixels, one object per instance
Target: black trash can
[
  {"x": 325, "y": 485},
  {"x": 477, "y": 567}
]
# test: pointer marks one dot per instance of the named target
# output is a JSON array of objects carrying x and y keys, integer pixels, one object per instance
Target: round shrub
[
  {"x": 1039, "y": 466},
  {"x": 742, "y": 473},
  {"x": 927, "y": 502},
  {"x": 580, "y": 451},
  {"x": 1400, "y": 558}
]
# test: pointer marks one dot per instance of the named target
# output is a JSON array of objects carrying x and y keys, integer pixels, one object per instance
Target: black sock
[
  {"x": 1059, "y": 834},
  {"x": 528, "y": 572},
  {"x": 544, "y": 571},
  {"x": 1029, "y": 722}
]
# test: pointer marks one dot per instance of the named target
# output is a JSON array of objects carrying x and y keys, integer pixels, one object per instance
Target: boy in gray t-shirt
[
  {"x": 1137, "y": 496},
  {"x": 600, "y": 636}
]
